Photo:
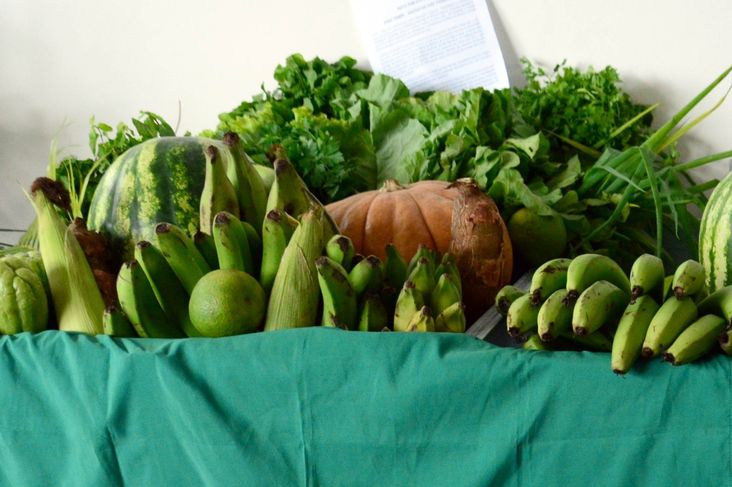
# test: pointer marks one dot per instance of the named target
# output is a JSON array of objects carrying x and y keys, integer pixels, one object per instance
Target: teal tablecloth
[{"x": 326, "y": 407}]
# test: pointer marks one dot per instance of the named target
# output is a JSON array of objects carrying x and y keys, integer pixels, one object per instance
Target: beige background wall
[{"x": 61, "y": 62}]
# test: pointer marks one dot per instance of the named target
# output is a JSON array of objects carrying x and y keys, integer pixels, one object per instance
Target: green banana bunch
[
  {"x": 409, "y": 302},
  {"x": 181, "y": 254},
  {"x": 340, "y": 249},
  {"x": 289, "y": 193},
  {"x": 366, "y": 276},
  {"x": 506, "y": 296},
  {"x": 599, "y": 304},
  {"x": 587, "y": 269},
  {"x": 688, "y": 279},
  {"x": 422, "y": 321},
  {"x": 631, "y": 332},
  {"x": 522, "y": 316},
  {"x": 276, "y": 233},
  {"x": 670, "y": 320},
  {"x": 139, "y": 303},
  {"x": 115, "y": 323},
  {"x": 340, "y": 308},
  {"x": 168, "y": 290},
  {"x": 719, "y": 303},
  {"x": 232, "y": 244},
  {"x": 373, "y": 314},
  {"x": 695, "y": 341},
  {"x": 549, "y": 277},
  {"x": 207, "y": 248},
  {"x": 451, "y": 319},
  {"x": 218, "y": 193},
  {"x": 555, "y": 317},
  {"x": 295, "y": 294},
  {"x": 647, "y": 277},
  {"x": 248, "y": 186}
]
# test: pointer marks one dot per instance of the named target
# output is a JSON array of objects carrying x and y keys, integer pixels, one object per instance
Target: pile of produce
[
  {"x": 589, "y": 302},
  {"x": 258, "y": 252},
  {"x": 428, "y": 200}
]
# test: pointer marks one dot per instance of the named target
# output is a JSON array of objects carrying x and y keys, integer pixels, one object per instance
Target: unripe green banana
[
  {"x": 522, "y": 316},
  {"x": 255, "y": 247},
  {"x": 444, "y": 294},
  {"x": 340, "y": 249},
  {"x": 138, "y": 301},
  {"x": 449, "y": 266},
  {"x": 587, "y": 269},
  {"x": 115, "y": 323},
  {"x": 719, "y": 303},
  {"x": 207, "y": 248},
  {"x": 423, "y": 252},
  {"x": 373, "y": 315},
  {"x": 725, "y": 341},
  {"x": 555, "y": 317},
  {"x": 670, "y": 320},
  {"x": 340, "y": 307},
  {"x": 250, "y": 191},
  {"x": 534, "y": 343},
  {"x": 631, "y": 332},
  {"x": 549, "y": 277},
  {"x": 267, "y": 176},
  {"x": 394, "y": 268},
  {"x": 409, "y": 302},
  {"x": 688, "y": 279},
  {"x": 507, "y": 295},
  {"x": 288, "y": 193},
  {"x": 169, "y": 291},
  {"x": 366, "y": 277},
  {"x": 423, "y": 276},
  {"x": 646, "y": 277},
  {"x": 182, "y": 255},
  {"x": 667, "y": 282},
  {"x": 451, "y": 319},
  {"x": 218, "y": 194},
  {"x": 696, "y": 340},
  {"x": 603, "y": 302},
  {"x": 232, "y": 245},
  {"x": 276, "y": 233},
  {"x": 598, "y": 341},
  {"x": 422, "y": 321}
]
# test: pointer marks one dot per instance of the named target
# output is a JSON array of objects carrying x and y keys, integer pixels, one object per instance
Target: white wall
[{"x": 61, "y": 62}]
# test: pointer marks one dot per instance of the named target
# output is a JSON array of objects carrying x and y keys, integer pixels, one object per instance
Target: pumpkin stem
[{"x": 390, "y": 185}]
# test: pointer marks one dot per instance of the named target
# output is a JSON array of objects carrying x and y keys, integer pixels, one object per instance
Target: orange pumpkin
[
  {"x": 422, "y": 213},
  {"x": 407, "y": 216}
]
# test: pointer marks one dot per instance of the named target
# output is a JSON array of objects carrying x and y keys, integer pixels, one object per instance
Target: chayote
[{"x": 23, "y": 293}]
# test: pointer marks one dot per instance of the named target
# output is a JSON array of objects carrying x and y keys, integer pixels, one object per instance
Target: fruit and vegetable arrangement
[{"x": 339, "y": 199}]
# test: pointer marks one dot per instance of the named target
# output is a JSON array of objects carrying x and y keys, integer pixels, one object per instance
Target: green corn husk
[
  {"x": 295, "y": 295},
  {"x": 76, "y": 298}
]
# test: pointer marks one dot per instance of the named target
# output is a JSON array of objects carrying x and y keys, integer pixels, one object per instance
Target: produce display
[
  {"x": 341, "y": 200},
  {"x": 589, "y": 303}
]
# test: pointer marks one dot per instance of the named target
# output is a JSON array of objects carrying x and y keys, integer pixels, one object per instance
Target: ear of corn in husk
[
  {"x": 295, "y": 294},
  {"x": 76, "y": 298}
]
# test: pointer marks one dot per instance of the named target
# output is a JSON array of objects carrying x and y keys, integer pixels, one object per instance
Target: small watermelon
[
  {"x": 159, "y": 180},
  {"x": 715, "y": 237}
]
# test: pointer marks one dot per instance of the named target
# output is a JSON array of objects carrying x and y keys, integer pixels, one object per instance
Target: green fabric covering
[{"x": 327, "y": 407}]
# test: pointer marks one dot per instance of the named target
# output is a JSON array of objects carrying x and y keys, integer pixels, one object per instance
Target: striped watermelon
[
  {"x": 158, "y": 180},
  {"x": 715, "y": 238}
]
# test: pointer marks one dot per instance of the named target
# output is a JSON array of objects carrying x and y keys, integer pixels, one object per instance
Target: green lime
[
  {"x": 226, "y": 302},
  {"x": 537, "y": 238}
]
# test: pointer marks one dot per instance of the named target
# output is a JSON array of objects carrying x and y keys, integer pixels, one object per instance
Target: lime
[
  {"x": 226, "y": 302},
  {"x": 537, "y": 238}
]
